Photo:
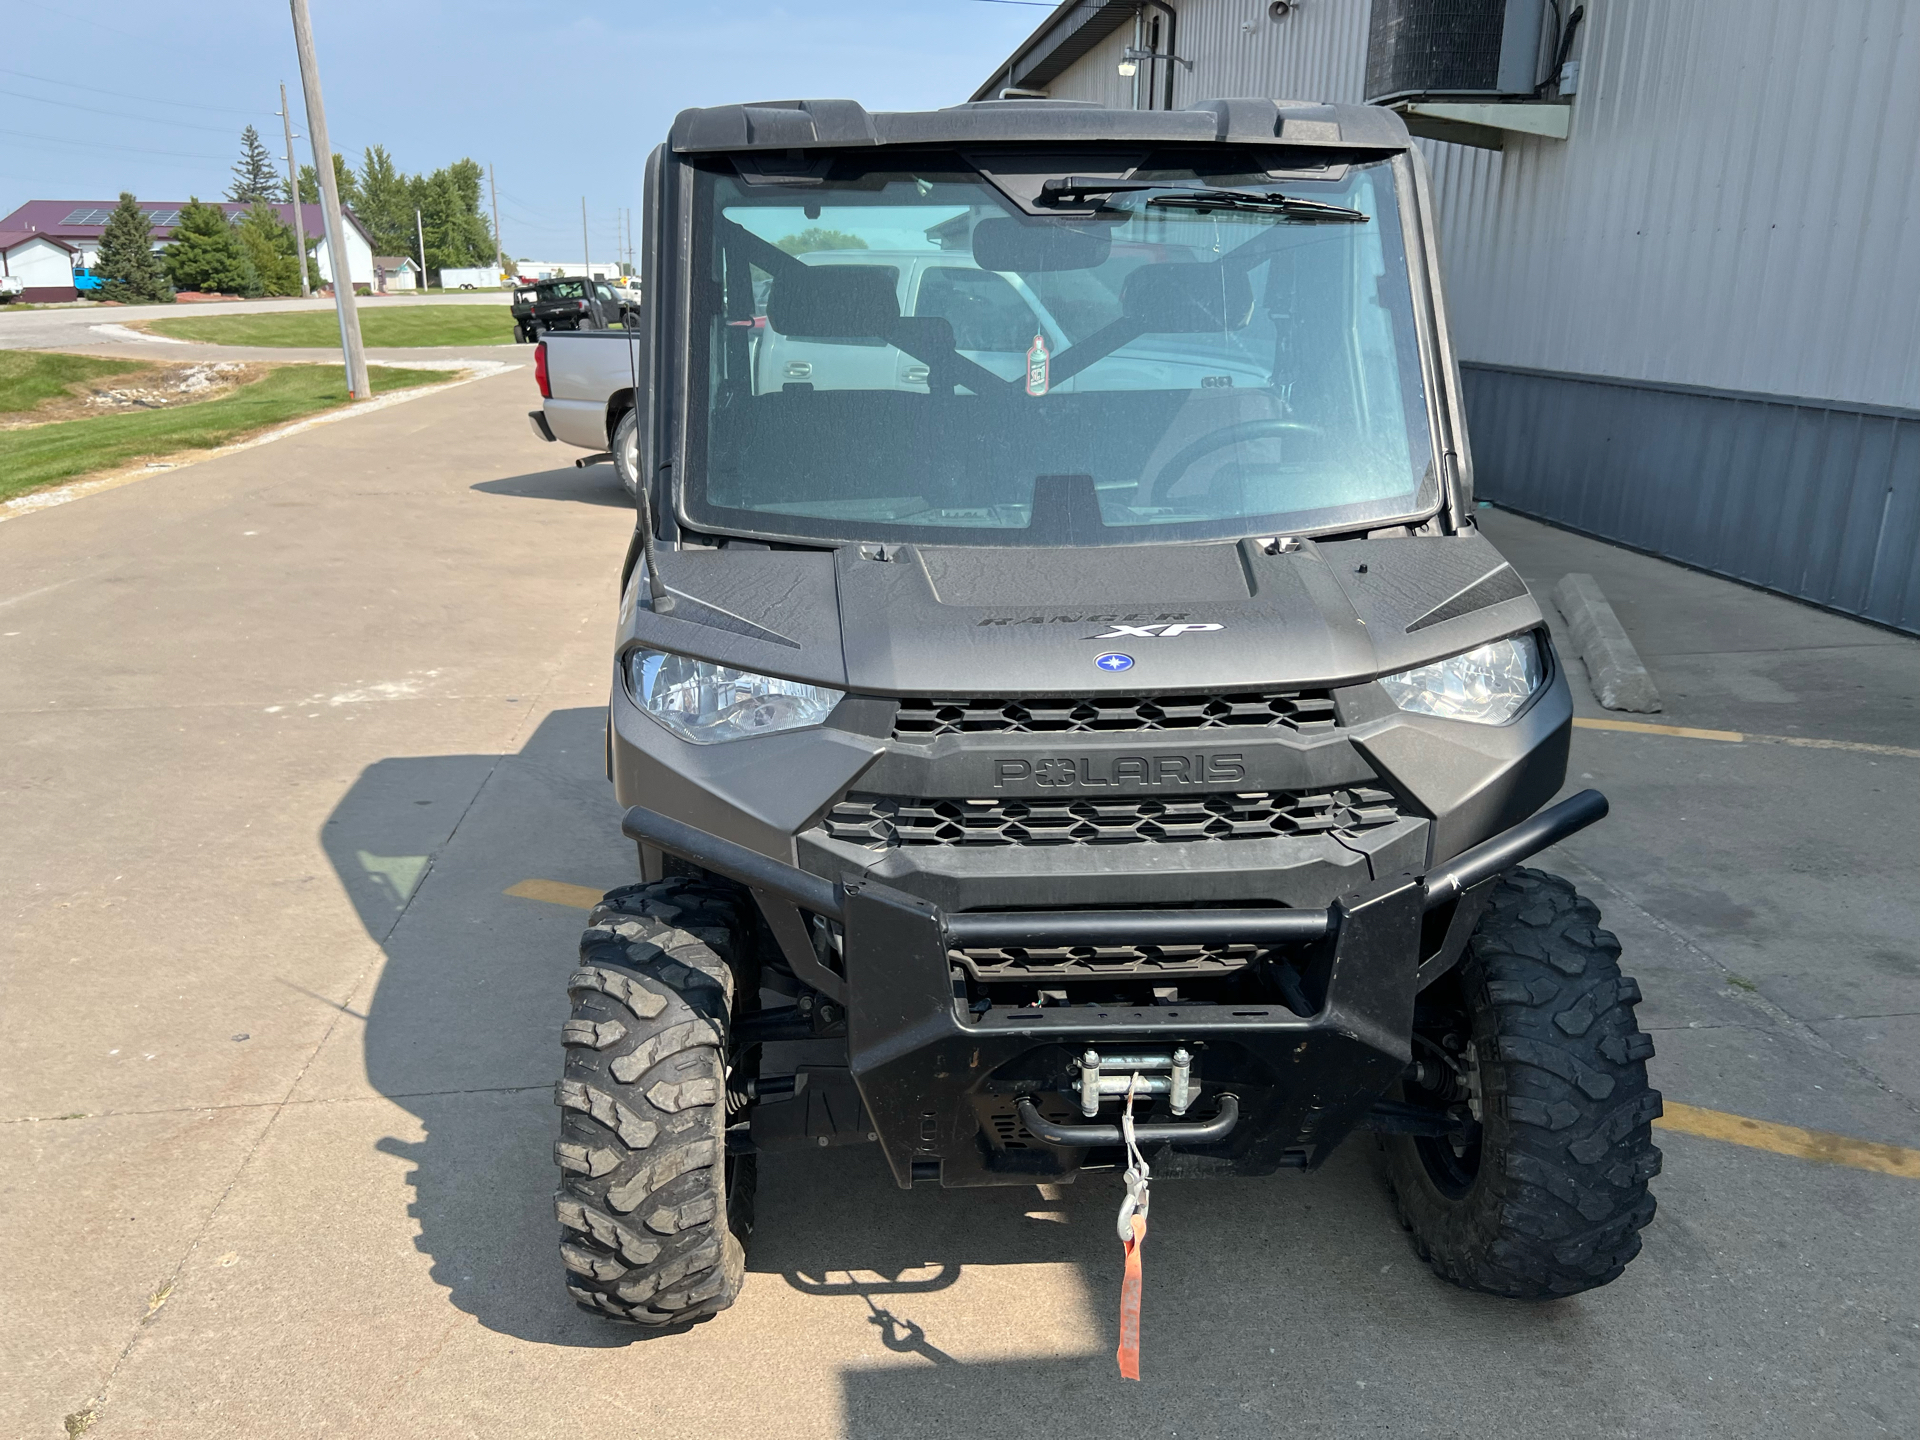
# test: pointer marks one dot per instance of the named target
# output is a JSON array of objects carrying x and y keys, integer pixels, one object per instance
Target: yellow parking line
[
  {"x": 1813, "y": 744},
  {"x": 1819, "y": 1145},
  {"x": 1685, "y": 732},
  {"x": 556, "y": 892},
  {"x": 1637, "y": 728}
]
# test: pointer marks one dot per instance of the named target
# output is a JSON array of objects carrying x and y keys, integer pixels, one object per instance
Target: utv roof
[{"x": 792, "y": 124}]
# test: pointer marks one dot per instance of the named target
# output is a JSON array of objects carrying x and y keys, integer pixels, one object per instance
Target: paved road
[
  {"x": 278, "y": 1052},
  {"x": 62, "y": 329}
]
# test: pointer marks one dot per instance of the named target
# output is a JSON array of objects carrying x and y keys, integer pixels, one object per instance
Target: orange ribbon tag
[{"x": 1129, "y": 1352}]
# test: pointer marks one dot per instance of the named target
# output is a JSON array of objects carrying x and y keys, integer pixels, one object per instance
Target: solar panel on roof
[
  {"x": 163, "y": 217},
  {"x": 86, "y": 217}
]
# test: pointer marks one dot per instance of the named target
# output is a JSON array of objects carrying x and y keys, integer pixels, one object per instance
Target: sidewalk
[{"x": 1727, "y": 656}]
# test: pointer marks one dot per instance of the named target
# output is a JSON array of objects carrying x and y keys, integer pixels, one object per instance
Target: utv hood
[{"x": 954, "y": 620}]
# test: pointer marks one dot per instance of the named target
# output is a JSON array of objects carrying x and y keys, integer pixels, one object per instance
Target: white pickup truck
[{"x": 586, "y": 389}]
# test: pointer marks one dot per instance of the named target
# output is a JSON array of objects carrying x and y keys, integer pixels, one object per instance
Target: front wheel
[
  {"x": 626, "y": 452},
  {"x": 656, "y": 1213},
  {"x": 1533, "y": 1043}
]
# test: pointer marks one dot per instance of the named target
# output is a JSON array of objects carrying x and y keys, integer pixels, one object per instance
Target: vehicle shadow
[
  {"x": 585, "y": 484},
  {"x": 463, "y": 1026},
  {"x": 1249, "y": 1285}
]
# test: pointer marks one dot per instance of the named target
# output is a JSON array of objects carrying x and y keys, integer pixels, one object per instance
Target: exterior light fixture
[{"x": 1127, "y": 67}]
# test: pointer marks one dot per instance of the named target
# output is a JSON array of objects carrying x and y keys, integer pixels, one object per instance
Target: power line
[
  {"x": 128, "y": 149},
  {"x": 117, "y": 114},
  {"x": 122, "y": 95}
]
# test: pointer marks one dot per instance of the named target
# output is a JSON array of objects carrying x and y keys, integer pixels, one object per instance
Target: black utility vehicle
[
  {"x": 1058, "y": 658},
  {"x": 569, "y": 303}
]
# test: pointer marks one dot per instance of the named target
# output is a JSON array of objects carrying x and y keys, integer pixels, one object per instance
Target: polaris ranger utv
[{"x": 1059, "y": 684}]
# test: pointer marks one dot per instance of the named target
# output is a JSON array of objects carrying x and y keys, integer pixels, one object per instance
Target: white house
[
  {"x": 78, "y": 224},
  {"x": 42, "y": 264},
  {"x": 395, "y": 272}
]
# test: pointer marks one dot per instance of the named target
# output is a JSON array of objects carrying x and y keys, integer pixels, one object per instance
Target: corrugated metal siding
[
  {"x": 1737, "y": 206},
  {"x": 1097, "y": 76},
  {"x": 1815, "y": 501},
  {"x": 1317, "y": 53}
]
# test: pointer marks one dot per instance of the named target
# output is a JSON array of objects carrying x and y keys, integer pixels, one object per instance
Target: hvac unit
[{"x": 1482, "y": 50}]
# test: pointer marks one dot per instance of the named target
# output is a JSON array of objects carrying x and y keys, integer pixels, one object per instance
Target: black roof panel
[{"x": 795, "y": 124}]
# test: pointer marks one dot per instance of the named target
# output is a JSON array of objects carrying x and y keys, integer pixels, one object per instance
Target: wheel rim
[{"x": 630, "y": 453}]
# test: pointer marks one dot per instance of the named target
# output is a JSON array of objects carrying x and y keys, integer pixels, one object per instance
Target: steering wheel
[{"x": 1185, "y": 459}]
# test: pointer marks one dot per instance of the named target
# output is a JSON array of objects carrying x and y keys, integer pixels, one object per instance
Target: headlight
[
  {"x": 708, "y": 703},
  {"x": 1487, "y": 686}
]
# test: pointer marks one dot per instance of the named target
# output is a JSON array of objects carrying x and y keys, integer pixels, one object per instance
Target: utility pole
[
  {"x": 293, "y": 194},
  {"x": 499, "y": 245},
  {"x": 586, "y": 255},
  {"x": 420, "y": 234},
  {"x": 358, "y": 387}
]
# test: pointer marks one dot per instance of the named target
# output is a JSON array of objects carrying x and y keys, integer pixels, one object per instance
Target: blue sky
[{"x": 564, "y": 100}]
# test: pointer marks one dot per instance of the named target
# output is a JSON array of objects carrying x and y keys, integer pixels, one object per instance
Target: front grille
[
  {"x": 1310, "y": 712},
  {"x": 1095, "y": 962},
  {"x": 885, "y": 822}
]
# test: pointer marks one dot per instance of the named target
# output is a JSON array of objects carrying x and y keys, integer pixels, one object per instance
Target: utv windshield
[{"x": 898, "y": 350}]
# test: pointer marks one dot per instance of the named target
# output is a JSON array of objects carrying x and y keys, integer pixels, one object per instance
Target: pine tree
[
  {"x": 269, "y": 245},
  {"x": 206, "y": 255},
  {"x": 342, "y": 178},
  {"x": 386, "y": 203},
  {"x": 254, "y": 176},
  {"x": 131, "y": 273}
]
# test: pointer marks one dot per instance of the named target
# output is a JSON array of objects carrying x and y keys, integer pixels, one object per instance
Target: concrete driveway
[{"x": 278, "y": 1050}]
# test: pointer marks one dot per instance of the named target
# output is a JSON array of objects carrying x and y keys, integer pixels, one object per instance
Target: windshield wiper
[
  {"x": 1069, "y": 188},
  {"x": 1270, "y": 203}
]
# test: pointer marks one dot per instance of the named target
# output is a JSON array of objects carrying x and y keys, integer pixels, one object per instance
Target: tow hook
[{"x": 1135, "y": 1073}]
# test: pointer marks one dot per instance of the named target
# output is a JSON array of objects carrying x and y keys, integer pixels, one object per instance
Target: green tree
[
  {"x": 386, "y": 203},
  {"x": 816, "y": 237},
  {"x": 269, "y": 245},
  {"x": 254, "y": 176},
  {"x": 342, "y": 179},
  {"x": 206, "y": 254},
  {"x": 457, "y": 233},
  {"x": 131, "y": 272}
]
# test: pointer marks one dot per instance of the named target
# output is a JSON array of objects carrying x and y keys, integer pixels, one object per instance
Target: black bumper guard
[{"x": 931, "y": 1075}]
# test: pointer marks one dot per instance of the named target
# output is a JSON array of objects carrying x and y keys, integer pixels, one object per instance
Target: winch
[{"x": 1168, "y": 1073}]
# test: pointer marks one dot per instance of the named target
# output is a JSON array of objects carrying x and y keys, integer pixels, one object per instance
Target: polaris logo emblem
[
  {"x": 1155, "y": 632},
  {"x": 1115, "y": 663},
  {"x": 1154, "y": 770}
]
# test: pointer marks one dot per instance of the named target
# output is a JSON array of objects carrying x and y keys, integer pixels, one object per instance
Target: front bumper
[{"x": 941, "y": 1085}]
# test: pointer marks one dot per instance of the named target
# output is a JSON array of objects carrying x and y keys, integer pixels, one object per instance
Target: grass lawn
[
  {"x": 30, "y": 377},
  {"x": 379, "y": 325},
  {"x": 46, "y": 454}
]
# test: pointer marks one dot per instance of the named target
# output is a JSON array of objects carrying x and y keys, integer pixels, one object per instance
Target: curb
[{"x": 1620, "y": 681}]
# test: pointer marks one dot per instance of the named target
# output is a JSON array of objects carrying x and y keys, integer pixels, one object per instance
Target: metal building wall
[
  {"x": 1318, "y": 52},
  {"x": 1693, "y": 327},
  {"x": 1738, "y": 206}
]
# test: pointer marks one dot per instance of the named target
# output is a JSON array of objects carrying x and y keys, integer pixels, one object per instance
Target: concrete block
[{"x": 1620, "y": 681}]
